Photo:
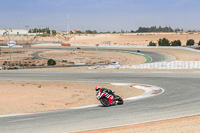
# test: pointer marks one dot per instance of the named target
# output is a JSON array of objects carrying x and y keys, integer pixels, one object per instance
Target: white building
[{"x": 13, "y": 32}]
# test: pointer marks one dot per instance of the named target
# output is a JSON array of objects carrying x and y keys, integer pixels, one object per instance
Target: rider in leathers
[{"x": 104, "y": 90}]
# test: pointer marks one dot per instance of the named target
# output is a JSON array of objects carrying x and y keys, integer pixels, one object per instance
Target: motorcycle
[{"x": 107, "y": 99}]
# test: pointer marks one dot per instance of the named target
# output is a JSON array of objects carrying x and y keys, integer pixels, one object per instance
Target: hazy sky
[{"x": 100, "y": 15}]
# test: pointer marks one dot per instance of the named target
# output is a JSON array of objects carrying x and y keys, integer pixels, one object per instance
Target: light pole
[
  {"x": 186, "y": 38},
  {"x": 10, "y": 45},
  {"x": 27, "y": 34},
  {"x": 8, "y": 32},
  {"x": 97, "y": 52}
]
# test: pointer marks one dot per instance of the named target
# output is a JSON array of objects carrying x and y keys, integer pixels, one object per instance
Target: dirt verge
[
  {"x": 34, "y": 96},
  {"x": 180, "y": 125}
]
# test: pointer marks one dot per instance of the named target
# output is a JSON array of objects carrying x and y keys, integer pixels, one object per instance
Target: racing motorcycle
[{"x": 107, "y": 99}]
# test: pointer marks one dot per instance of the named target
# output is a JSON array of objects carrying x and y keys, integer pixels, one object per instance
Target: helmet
[{"x": 97, "y": 88}]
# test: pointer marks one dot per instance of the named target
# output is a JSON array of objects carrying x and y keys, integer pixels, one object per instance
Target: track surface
[
  {"x": 181, "y": 98},
  {"x": 155, "y": 56}
]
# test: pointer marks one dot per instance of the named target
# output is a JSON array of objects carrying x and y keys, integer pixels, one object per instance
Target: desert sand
[
  {"x": 180, "y": 125},
  {"x": 34, "y": 96},
  {"x": 137, "y": 39},
  {"x": 23, "y": 57}
]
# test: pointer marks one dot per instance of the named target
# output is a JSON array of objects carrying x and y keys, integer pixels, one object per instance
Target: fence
[
  {"x": 157, "y": 65},
  {"x": 29, "y": 42}
]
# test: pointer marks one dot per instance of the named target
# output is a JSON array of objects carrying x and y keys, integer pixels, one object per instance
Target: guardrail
[{"x": 157, "y": 65}]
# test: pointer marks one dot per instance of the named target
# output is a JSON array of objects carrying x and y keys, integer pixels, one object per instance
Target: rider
[{"x": 97, "y": 88}]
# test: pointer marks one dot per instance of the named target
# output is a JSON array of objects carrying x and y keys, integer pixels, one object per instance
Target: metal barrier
[{"x": 158, "y": 65}]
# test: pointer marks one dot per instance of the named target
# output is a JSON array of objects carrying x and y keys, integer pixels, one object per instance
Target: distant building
[
  {"x": 13, "y": 32},
  {"x": 74, "y": 31},
  {"x": 61, "y": 32}
]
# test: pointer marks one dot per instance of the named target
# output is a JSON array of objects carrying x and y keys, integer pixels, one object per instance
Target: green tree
[
  {"x": 190, "y": 42},
  {"x": 70, "y": 32},
  {"x": 176, "y": 43},
  {"x": 78, "y": 32},
  {"x": 39, "y": 30},
  {"x": 94, "y": 32},
  {"x": 53, "y": 32},
  {"x": 35, "y": 30},
  {"x": 48, "y": 31},
  {"x": 152, "y": 43},
  {"x": 155, "y": 29},
  {"x": 163, "y": 42},
  {"x": 88, "y": 32},
  {"x": 199, "y": 43},
  {"x": 51, "y": 62}
]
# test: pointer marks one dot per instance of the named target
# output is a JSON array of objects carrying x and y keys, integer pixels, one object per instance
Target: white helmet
[{"x": 97, "y": 88}]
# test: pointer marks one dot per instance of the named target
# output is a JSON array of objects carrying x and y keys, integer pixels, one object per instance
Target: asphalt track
[
  {"x": 155, "y": 56},
  {"x": 181, "y": 98}
]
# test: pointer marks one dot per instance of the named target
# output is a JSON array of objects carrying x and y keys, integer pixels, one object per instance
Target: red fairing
[
  {"x": 101, "y": 94},
  {"x": 111, "y": 98}
]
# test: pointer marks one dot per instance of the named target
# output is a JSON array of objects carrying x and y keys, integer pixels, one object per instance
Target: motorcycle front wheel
[
  {"x": 105, "y": 102},
  {"x": 119, "y": 99}
]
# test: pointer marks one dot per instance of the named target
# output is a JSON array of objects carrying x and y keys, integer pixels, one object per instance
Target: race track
[
  {"x": 181, "y": 98},
  {"x": 155, "y": 56}
]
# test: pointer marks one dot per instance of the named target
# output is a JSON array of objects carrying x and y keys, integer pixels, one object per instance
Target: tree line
[
  {"x": 140, "y": 30},
  {"x": 45, "y": 31},
  {"x": 166, "y": 42},
  {"x": 157, "y": 29}
]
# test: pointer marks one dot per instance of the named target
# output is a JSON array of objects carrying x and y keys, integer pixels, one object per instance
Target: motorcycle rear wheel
[{"x": 105, "y": 102}]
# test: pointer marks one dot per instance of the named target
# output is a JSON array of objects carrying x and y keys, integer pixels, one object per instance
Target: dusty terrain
[
  {"x": 22, "y": 40},
  {"x": 22, "y": 57},
  {"x": 138, "y": 39},
  {"x": 34, "y": 96},
  {"x": 182, "y": 55},
  {"x": 114, "y": 39},
  {"x": 92, "y": 56},
  {"x": 180, "y": 125}
]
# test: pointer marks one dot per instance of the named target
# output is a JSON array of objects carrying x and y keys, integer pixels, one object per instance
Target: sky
[{"x": 100, "y": 15}]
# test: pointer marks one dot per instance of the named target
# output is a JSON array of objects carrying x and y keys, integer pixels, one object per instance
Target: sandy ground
[
  {"x": 34, "y": 96},
  {"x": 180, "y": 125},
  {"x": 23, "y": 57},
  {"x": 22, "y": 40},
  {"x": 90, "y": 57},
  {"x": 114, "y": 39},
  {"x": 182, "y": 55},
  {"x": 132, "y": 39}
]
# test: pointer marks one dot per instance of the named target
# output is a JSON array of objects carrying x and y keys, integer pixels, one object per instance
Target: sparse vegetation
[
  {"x": 163, "y": 42},
  {"x": 64, "y": 60},
  {"x": 155, "y": 29},
  {"x": 51, "y": 62},
  {"x": 176, "y": 43},
  {"x": 152, "y": 43},
  {"x": 190, "y": 42}
]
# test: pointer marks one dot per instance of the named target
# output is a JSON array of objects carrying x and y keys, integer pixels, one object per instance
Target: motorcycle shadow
[{"x": 107, "y": 106}]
